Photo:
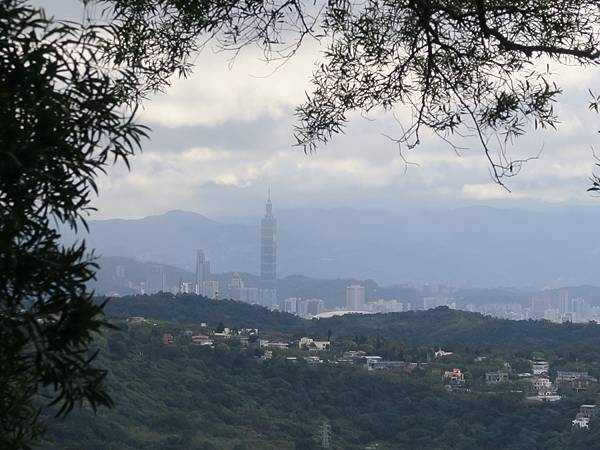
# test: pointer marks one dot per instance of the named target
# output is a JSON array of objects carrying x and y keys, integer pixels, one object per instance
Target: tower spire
[{"x": 269, "y": 205}]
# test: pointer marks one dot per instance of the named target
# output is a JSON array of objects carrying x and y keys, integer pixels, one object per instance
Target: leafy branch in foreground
[
  {"x": 62, "y": 120},
  {"x": 466, "y": 68}
]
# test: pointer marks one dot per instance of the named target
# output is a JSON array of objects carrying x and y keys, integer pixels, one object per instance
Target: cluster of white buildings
[
  {"x": 306, "y": 308},
  {"x": 388, "y": 306},
  {"x": 561, "y": 309},
  {"x": 567, "y": 310}
]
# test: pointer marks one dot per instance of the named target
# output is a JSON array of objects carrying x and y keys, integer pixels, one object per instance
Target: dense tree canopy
[
  {"x": 62, "y": 119},
  {"x": 436, "y": 327},
  {"x": 184, "y": 396}
]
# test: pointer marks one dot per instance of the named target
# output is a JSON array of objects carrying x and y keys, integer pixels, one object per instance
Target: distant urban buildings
[
  {"x": 157, "y": 281},
  {"x": 242, "y": 293},
  {"x": 388, "y": 306},
  {"x": 551, "y": 305},
  {"x": 311, "y": 307},
  {"x": 236, "y": 284},
  {"x": 204, "y": 284},
  {"x": 250, "y": 295},
  {"x": 308, "y": 308},
  {"x": 436, "y": 301},
  {"x": 210, "y": 289},
  {"x": 558, "y": 307},
  {"x": 355, "y": 298},
  {"x": 290, "y": 305},
  {"x": 564, "y": 306}
]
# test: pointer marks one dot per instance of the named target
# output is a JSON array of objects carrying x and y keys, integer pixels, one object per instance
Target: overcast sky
[{"x": 223, "y": 135}]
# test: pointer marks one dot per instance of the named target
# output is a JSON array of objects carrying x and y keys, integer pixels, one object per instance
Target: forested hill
[
  {"x": 439, "y": 327},
  {"x": 190, "y": 308},
  {"x": 180, "y": 396}
]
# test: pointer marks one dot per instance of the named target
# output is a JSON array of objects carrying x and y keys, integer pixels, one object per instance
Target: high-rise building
[
  {"x": 202, "y": 271},
  {"x": 290, "y": 305},
  {"x": 538, "y": 306},
  {"x": 355, "y": 298},
  {"x": 268, "y": 298},
  {"x": 564, "y": 305},
  {"x": 315, "y": 306},
  {"x": 310, "y": 307},
  {"x": 210, "y": 289},
  {"x": 157, "y": 280},
  {"x": 579, "y": 310},
  {"x": 236, "y": 284},
  {"x": 552, "y": 314},
  {"x": 250, "y": 295},
  {"x": 236, "y": 281},
  {"x": 268, "y": 255}
]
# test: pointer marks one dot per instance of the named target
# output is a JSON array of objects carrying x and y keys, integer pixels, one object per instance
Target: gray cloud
[{"x": 223, "y": 135}]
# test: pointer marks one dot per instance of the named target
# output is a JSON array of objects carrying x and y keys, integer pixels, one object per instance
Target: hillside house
[
  {"x": 574, "y": 381},
  {"x": 581, "y": 422},
  {"x": 588, "y": 411},
  {"x": 500, "y": 376},
  {"x": 385, "y": 365},
  {"x": 202, "y": 340},
  {"x": 168, "y": 339},
  {"x": 454, "y": 376},
  {"x": 264, "y": 343},
  {"x": 540, "y": 367},
  {"x": 307, "y": 343},
  {"x": 441, "y": 353},
  {"x": 541, "y": 385}
]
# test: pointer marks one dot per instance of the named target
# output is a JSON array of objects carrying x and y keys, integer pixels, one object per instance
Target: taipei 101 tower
[{"x": 268, "y": 256}]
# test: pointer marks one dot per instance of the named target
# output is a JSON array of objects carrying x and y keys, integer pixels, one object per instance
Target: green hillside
[
  {"x": 439, "y": 327},
  {"x": 182, "y": 396}
]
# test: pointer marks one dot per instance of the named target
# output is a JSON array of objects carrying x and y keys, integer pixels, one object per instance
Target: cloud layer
[{"x": 224, "y": 134}]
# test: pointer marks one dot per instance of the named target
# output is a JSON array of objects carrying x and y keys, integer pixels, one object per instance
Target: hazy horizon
[{"x": 483, "y": 246}]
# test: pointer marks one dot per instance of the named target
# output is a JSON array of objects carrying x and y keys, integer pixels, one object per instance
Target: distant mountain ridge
[
  {"x": 482, "y": 245},
  {"x": 172, "y": 238}
]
